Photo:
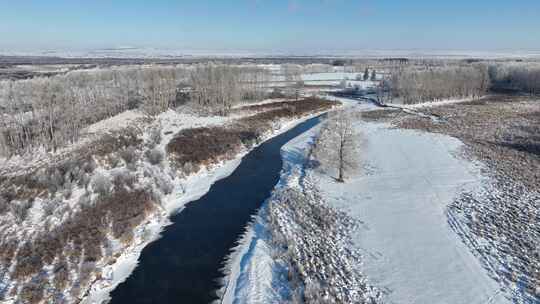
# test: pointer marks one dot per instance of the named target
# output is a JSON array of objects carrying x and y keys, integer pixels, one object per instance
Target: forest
[{"x": 51, "y": 112}]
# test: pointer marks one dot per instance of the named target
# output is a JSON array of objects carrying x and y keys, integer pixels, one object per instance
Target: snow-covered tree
[
  {"x": 336, "y": 148},
  {"x": 373, "y": 75},
  {"x": 415, "y": 85}
]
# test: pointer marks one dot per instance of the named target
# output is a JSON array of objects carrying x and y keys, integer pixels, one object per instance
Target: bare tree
[
  {"x": 416, "y": 84},
  {"x": 366, "y": 74},
  {"x": 373, "y": 75},
  {"x": 215, "y": 87},
  {"x": 336, "y": 148},
  {"x": 293, "y": 79},
  {"x": 52, "y": 111}
]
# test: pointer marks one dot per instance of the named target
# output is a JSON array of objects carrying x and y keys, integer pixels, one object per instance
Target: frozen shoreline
[
  {"x": 409, "y": 251},
  {"x": 185, "y": 191}
]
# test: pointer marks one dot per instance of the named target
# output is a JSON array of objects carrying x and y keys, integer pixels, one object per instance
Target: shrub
[
  {"x": 8, "y": 247},
  {"x": 189, "y": 168},
  {"x": 4, "y": 205},
  {"x": 84, "y": 181},
  {"x": 61, "y": 274},
  {"x": 85, "y": 200},
  {"x": 19, "y": 209},
  {"x": 29, "y": 261},
  {"x": 154, "y": 137},
  {"x": 129, "y": 154},
  {"x": 101, "y": 184},
  {"x": 85, "y": 273},
  {"x": 164, "y": 184},
  {"x": 123, "y": 178},
  {"x": 201, "y": 146},
  {"x": 155, "y": 156},
  {"x": 112, "y": 142},
  {"x": 32, "y": 292},
  {"x": 134, "y": 102},
  {"x": 49, "y": 206},
  {"x": 89, "y": 165}
]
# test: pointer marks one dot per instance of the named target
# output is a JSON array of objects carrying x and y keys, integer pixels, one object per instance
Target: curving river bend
[{"x": 184, "y": 265}]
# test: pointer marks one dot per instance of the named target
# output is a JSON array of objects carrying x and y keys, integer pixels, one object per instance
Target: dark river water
[{"x": 184, "y": 265}]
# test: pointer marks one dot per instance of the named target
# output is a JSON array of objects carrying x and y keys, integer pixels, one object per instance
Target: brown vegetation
[
  {"x": 503, "y": 132},
  {"x": 202, "y": 146},
  {"x": 113, "y": 204}
]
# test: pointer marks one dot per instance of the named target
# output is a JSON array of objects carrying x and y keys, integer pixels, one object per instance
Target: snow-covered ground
[
  {"x": 428, "y": 104},
  {"x": 185, "y": 190},
  {"x": 148, "y": 52},
  {"x": 255, "y": 276},
  {"x": 400, "y": 196},
  {"x": 407, "y": 181},
  {"x": 327, "y": 79}
]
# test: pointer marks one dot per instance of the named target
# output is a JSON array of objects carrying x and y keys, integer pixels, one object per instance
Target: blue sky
[{"x": 278, "y": 25}]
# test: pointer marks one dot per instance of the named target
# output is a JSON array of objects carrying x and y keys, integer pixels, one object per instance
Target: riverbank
[
  {"x": 95, "y": 207},
  {"x": 408, "y": 250},
  {"x": 498, "y": 220},
  {"x": 188, "y": 190}
]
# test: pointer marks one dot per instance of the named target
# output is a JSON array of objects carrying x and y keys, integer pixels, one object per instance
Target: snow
[
  {"x": 193, "y": 188},
  {"x": 262, "y": 102},
  {"x": 330, "y": 76},
  {"x": 430, "y": 104},
  {"x": 256, "y": 276},
  {"x": 148, "y": 52},
  {"x": 185, "y": 190},
  {"x": 410, "y": 252},
  {"x": 400, "y": 197},
  {"x": 117, "y": 122}
]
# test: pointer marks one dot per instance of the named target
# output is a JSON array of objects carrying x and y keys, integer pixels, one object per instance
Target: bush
[
  {"x": 32, "y": 292},
  {"x": 4, "y": 205},
  {"x": 164, "y": 184},
  {"x": 101, "y": 184},
  {"x": 85, "y": 200},
  {"x": 201, "y": 146},
  {"x": 154, "y": 136},
  {"x": 129, "y": 154},
  {"x": 155, "y": 156},
  {"x": 123, "y": 178},
  {"x": 276, "y": 93},
  {"x": 84, "y": 181},
  {"x": 49, "y": 206},
  {"x": 19, "y": 209},
  {"x": 61, "y": 274}
]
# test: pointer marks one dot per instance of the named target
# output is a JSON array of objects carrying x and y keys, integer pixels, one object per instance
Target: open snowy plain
[{"x": 408, "y": 252}]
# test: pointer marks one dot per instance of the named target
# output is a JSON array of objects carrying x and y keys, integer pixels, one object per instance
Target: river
[{"x": 185, "y": 264}]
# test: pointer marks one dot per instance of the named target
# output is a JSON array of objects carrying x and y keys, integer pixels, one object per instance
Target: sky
[{"x": 271, "y": 25}]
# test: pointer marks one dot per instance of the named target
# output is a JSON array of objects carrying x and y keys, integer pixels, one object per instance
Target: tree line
[
  {"x": 51, "y": 112},
  {"x": 516, "y": 77},
  {"x": 414, "y": 85}
]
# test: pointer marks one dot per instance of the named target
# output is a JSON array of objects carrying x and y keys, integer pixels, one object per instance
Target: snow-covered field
[
  {"x": 400, "y": 196},
  {"x": 411, "y": 253},
  {"x": 396, "y": 103},
  {"x": 185, "y": 191},
  {"x": 176, "y": 192},
  {"x": 134, "y": 52}
]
